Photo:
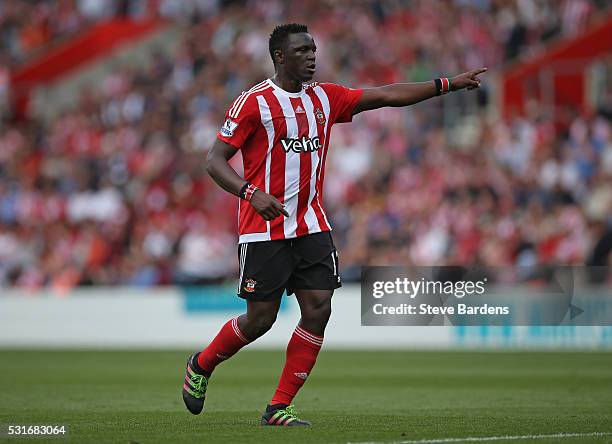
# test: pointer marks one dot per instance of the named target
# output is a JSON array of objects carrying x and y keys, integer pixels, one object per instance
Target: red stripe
[
  {"x": 305, "y": 168},
  {"x": 444, "y": 85},
  {"x": 277, "y": 163},
  {"x": 316, "y": 206}
]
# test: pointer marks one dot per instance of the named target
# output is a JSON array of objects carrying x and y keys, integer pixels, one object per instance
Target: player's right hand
[
  {"x": 267, "y": 205},
  {"x": 467, "y": 80}
]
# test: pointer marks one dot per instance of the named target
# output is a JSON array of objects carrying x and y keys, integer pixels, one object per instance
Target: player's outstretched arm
[
  {"x": 226, "y": 177},
  {"x": 404, "y": 94}
]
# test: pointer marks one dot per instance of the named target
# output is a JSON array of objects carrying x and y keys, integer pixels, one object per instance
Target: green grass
[{"x": 126, "y": 396}]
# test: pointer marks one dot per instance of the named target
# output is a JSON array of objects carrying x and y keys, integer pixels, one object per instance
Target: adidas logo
[
  {"x": 299, "y": 110},
  {"x": 302, "y": 375}
]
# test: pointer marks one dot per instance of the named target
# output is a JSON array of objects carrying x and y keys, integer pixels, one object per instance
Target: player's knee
[
  {"x": 259, "y": 324},
  {"x": 319, "y": 311}
]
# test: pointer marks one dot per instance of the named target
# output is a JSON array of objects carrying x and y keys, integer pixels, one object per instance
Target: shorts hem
[
  {"x": 334, "y": 286},
  {"x": 261, "y": 298}
]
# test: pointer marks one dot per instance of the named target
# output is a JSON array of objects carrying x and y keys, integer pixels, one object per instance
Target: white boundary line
[{"x": 492, "y": 438}]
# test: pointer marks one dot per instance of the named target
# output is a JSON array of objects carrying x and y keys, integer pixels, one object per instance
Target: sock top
[{"x": 196, "y": 367}]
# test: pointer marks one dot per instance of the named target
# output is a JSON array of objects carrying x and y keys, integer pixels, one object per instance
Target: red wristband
[
  {"x": 446, "y": 85},
  {"x": 443, "y": 85}
]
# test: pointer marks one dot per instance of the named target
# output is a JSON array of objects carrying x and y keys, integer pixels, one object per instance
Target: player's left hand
[{"x": 467, "y": 80}]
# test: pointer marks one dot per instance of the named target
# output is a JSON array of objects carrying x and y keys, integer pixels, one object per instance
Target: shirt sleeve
[
  {"x": 342, "y": 101},
  {"x": 239, "y": 122}
]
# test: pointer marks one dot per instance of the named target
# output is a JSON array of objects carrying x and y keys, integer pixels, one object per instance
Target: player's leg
[
  {"x": 313, "y": 281},
  {"x": 264, "y": 270},
  {"x": 305, "y": 343},
  {"x": 259, "y": 318},
  {"x": 315, "y": 309},
  {"x": 301, "y": 356},
  {"x": 236, "y": 333}
]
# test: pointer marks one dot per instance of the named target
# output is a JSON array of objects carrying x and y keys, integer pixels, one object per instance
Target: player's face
[{"x": 299, "y": 56}]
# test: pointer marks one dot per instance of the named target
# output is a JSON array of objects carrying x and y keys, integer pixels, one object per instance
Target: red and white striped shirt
[{"x": 284, "y": 139}]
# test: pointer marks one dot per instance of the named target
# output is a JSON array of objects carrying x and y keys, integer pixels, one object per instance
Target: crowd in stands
[{"x": 114, "y": 191}]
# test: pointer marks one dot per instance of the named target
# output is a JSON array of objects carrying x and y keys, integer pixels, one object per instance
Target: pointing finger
[
  {"x": 478, "y": 71},
  {"x": 280, "y": 207}
]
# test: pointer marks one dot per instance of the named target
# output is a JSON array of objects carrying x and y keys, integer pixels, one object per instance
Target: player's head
[{"x": 292, "y": 50}]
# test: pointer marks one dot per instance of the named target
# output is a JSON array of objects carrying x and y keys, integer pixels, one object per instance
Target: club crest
[
  {"x": 249, "y": 285},
  {"x": 320, "y": 116}
]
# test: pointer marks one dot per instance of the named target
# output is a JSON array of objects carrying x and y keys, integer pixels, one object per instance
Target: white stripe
[
  {"x": 229, "y": 113},
  {"x": 325, "y": 104},
  {"x": 334, "y": 261},
  {"x": 235, "y": 109},
  {"x": 307, "y": 333},
  {"x": 243, "y": 101},
  {"x": 308, "y": 339},
  {"x": 310, "y": 336},
  {"x": 243, "y": 248},
  {"x": 254, "y": 237},
  {"x": 237, "y": 330},
  {"x": 240, "y": 268},
  {"x": 490, "y": 438},
  {"x": 240, "y": 97},
  {"x": 310, "y": 217},
  {"x": 266, "y": 121},
  {"x": 292, "y": 168},
  {"x": 244, "y": 254},
  {"x": 320, "y": 92}
]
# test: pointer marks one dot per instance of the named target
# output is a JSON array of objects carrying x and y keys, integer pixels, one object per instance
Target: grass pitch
[{"x": 134, "y": 397}]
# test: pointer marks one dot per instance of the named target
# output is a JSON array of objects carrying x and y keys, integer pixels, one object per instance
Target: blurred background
[
  {"x": 108, "y": 109},
  {"x": 118, "y": 253}
]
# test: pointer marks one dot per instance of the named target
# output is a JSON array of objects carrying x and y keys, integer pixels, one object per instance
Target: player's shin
[
  {"x": 302, "y": 352},
  {"x": 228, "y": 341}
]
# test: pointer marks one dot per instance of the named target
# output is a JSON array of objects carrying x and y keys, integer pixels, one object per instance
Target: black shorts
[{"x": 268, "y": 268}]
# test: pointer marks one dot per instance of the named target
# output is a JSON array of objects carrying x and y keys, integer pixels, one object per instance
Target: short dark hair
[{"x": 278, "y": 38}]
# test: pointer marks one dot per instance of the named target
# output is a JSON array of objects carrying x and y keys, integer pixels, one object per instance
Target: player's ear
[{"x": 278, "y": 56}]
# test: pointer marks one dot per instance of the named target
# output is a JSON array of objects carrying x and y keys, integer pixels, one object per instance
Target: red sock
[
  {"x": 302, "y": 354},
  {"x": 226, "y": 344}
]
